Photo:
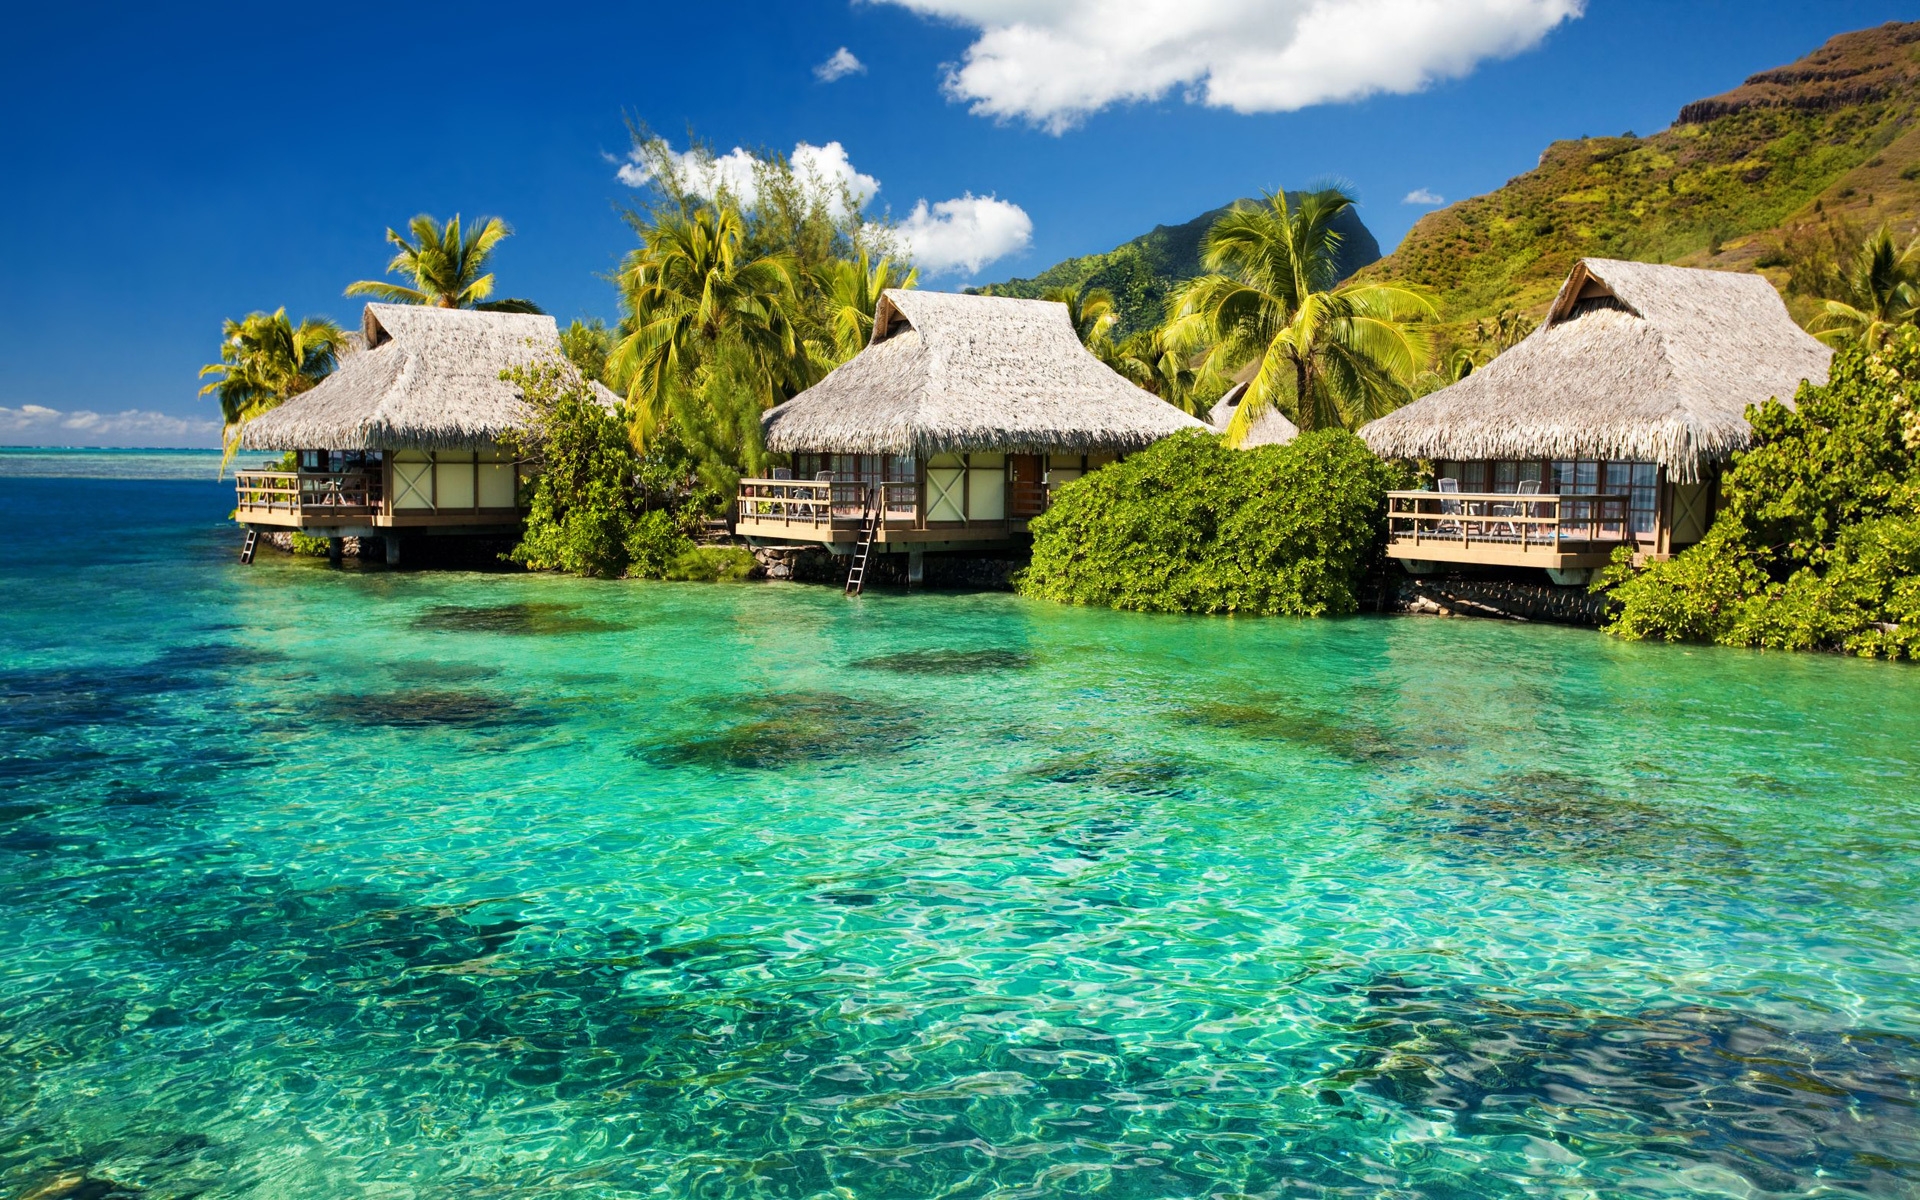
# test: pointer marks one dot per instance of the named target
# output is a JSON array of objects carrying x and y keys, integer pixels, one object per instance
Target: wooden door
[{"x": 1023, "y": 477}]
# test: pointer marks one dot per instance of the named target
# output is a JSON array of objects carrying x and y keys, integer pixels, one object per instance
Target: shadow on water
[
  {"x": 426, "y": 671},
  {"x": 771, "y": 731},
  {"x": 1778, "y": 1106},
  {"x": 1161, "y": 776},
  {"x": 1558, "y": 817},
  {"x": 520, "y": 619},
  {"x": 427, "y": 709},
  {"x": 1285, "y": 719},
  {"x": 946, "y": 662},
  {"x": 45, "y": 699}
]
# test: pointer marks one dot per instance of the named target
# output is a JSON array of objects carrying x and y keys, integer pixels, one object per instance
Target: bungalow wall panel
[
  {"x": 412, "y": 482},
  {"x": 1692, "y": 505},
  {"x": 986, "y": 487},
  {"x": 453, "y": 480},
  {"x": 497, "y": 482}
]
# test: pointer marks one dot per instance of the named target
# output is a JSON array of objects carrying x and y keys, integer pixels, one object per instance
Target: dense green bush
[
  {"x": 598, "y": 506},
  {"x": 1192, "y": 526},
  {"x": 713, "y": 564},
  {"x": 1817, "y": 545}
]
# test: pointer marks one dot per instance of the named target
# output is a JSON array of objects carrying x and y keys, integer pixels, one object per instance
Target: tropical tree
[
  {"x": 1501, "y": 332},
  {"x": 447, "y": 264},
  {"x": 265, "y": 360},
  {"x": 1149, "y": 361},
  {"x": 1089, "y": 308},
  {"x": 690, "y": 287},
  {"x": 850, "y": 290},
  {"x": 1879, "y": 292},
  {"x": 1329, "y": 354}
]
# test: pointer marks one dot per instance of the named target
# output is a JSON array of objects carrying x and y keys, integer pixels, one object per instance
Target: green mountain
[
  {"x": 1142, "y": 272},
  {"x": 1778, "y": 175}
]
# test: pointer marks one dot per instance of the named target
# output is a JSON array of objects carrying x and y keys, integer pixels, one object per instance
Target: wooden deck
[
  {"x": 830, "y": 513},
  {"x": 347, "y": 501},
  {"x": 1505, "y": 529}
]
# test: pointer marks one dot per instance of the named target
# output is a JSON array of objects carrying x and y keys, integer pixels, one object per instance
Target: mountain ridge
[
  {"x": 1782, "y": 175},
  {"x": 1141, "y": 272}
]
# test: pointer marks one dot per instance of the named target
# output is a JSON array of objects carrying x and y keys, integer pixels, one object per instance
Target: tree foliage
[
  {"x": 1878, "y": 291},
  {"x": 265, "y": 360},
  {"x": 1326, "y": 354},
  {"x": 598, "y": 505},
  {"x": 1189, "y": 525},
  {"x": 1817, "y": 545},
  {"x": 446, "y": 264}
]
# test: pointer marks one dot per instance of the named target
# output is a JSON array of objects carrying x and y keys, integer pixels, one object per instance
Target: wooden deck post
[{"x": 336, "y": 550}]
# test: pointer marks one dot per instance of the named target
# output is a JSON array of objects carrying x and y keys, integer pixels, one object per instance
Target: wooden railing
[
  {"x": 824, "y": 504},
  {"x": 1506, "y": 519},
  {"x": 346, "y": 493}
]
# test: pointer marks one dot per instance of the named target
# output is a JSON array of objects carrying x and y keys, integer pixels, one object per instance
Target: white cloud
[
  {"x": 841, "y": 65},
  {"x": 1425, "y": 197},
  {"x": 36, "y": 425},
  {"x": 826, "y": 168},
  {"x": 943, "y": 237},
  {"x": 964, "y": 234},
  {"x": 1054, "y": 62}
]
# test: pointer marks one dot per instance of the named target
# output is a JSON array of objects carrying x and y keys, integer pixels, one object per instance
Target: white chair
[
  {"x": 1448, "y": 508},
  {"x": 1528, "y": 487}
]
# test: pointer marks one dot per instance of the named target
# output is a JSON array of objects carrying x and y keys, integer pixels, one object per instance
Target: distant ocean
[{"x": 43, "y": 462}]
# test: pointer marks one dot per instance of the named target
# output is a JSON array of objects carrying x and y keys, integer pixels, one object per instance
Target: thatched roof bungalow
[
  {"x": 964, "y": 411},
  {"x": 1270, "y": 428},
  {"x": 1635, "y": 386},
  {"x": 405, "y": 433}
]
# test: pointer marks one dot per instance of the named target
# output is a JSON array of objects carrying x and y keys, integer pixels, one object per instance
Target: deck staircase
[
  {"x": 247, "y": 546},
  {"x": 869, "y": 529}
]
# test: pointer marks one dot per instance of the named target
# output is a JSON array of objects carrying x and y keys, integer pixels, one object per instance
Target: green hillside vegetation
[
  {"x": 1140, "y": 274},
  {"x": 1784, "y": 174}
]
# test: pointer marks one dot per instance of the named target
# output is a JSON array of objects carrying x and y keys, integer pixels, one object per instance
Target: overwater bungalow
[
  {"x": 404, "y": 436},
  {"x": 949, "y": 431},
  {"x": 1270, "y": 428},
  {"x": 1606, "y": 427}
]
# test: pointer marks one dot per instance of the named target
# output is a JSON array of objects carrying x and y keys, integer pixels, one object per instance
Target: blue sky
[{"x": 174, "y": 166}]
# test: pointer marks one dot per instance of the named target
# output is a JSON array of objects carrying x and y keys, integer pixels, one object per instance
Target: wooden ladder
[
  {"x": 869, "y": 528},
  {"x": 247, "y": 545}
]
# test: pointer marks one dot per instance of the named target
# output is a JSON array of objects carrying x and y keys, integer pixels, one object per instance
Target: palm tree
[
  {"x": 688, "y": 288},
  {"x": 266, "y": 360},
  {"x": 1329, "y": 354},
  {"x": 1089, "y": 308},
  {"x": 1880, "y": 291},
  {"x": 1148, "y": 361},
  {"x": 851, "y": 291},
  {"x": 1503, "y": 331},
  {"x": 448, "y": 266}
]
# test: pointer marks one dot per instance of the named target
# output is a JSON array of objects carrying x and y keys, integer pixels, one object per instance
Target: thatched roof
[
  {"x": 947, "y": 373},
  {"x": 1633, "y": 362},
  {"x": 429, "y": 379},
  {"x": 1270, "y": 428}
]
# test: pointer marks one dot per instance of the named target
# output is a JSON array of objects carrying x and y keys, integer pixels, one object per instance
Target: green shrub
[
  {"x": 1817, "y": 545},
  {"x": 1192, "y": 526},
  {"x": 713, "y": 564},
  {"x": 597, "y": 506},
  {"x": 306, "y": 545}
]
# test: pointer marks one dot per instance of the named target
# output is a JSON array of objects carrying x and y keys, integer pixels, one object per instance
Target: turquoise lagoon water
[{"x": 338, "y": 882}]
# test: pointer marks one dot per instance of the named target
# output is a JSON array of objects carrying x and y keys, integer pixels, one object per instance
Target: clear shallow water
[
  {"x": 52, "y": 462},
  {"x": 343, "y": 882}
]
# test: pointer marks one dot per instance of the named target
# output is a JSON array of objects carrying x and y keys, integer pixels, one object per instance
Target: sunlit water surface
[{"x": 338, "y": 882}]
